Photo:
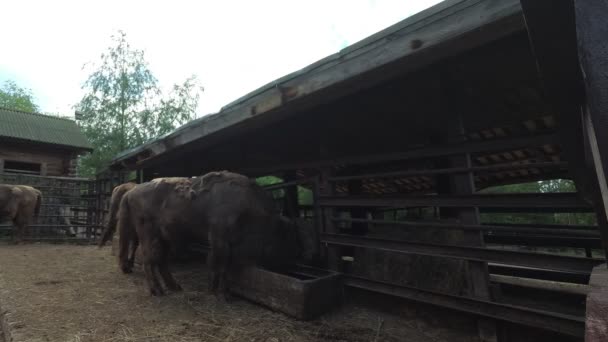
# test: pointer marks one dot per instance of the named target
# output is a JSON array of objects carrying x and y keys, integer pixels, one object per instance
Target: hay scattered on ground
[{"x": 76, "y": 294}]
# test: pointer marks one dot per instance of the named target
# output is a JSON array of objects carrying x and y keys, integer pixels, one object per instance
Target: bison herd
[{"x": 226, "y": 211}]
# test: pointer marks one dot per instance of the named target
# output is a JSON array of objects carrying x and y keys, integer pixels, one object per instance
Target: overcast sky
[{"x": 233, "y": 46}]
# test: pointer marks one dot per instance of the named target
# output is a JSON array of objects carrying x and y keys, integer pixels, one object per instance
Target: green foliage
[
  {"x": 268, "y": 180},
  {"x": 304, "y": 194},
  {"x": 14, "y": 97},
  {"x": 549, "y": 186},
  {"x": 554, "y": 185},
  {"x": 123, "y": 106}
]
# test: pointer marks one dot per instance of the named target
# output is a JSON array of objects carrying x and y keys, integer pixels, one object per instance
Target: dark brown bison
[
  {"x": 19, "y": 203},
  {"x": 145, "y": 212},
  {"x": 117, "y": 193},
  {"x": 243, "y": 228},
  {"x": 228, "y": 211}
]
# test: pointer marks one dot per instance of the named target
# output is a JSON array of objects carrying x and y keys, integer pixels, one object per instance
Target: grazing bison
[
  {"x": 117, "y": 194},
  {"x": 157, "y": 214},
  {"x": 243, "y": 228},
  {"x": 19, "y": 203},
  {"x": 226, "y": 210}
]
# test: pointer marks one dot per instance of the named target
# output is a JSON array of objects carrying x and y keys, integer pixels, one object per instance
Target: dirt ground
[{"x": 76, "y": 293}]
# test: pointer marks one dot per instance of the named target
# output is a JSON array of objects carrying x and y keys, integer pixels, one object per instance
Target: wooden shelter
[
  {"x": 41, "y": 151},
  {"x": 425, "y": 114},
  {"x": 37, "y": 144}
]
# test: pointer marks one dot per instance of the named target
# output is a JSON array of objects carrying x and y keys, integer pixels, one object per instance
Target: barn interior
[{"x": 425, "y": 117}]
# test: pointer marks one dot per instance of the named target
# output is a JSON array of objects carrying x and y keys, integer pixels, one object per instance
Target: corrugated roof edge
[
  {"x": 438, "y": 8},
  {"x": 71, "y": 147},
  {"x": 413, "y": 22},
  {"x": 38, "y": 114},
  {"x": 181, "y": 128},
  {"x": 88, "y": 146}
]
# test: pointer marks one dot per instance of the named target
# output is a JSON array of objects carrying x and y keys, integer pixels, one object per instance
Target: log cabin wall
[{"x": 49, "y": 161}]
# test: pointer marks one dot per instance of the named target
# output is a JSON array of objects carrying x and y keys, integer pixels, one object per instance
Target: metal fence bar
[
  {"x": 536, "y": 273},
  {"x": 67, "y": 203},
  {"x": 591, "y": 233},
  {"x": 538, "y": 260},
  {"x": 555, "y": 202},
  {"x": 429, "y": 172},
  {"x": 565, "y": 324},
  {"x": 283, "y": 185}
]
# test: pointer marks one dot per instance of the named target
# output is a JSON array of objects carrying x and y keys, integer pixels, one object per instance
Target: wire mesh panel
[{"x": 69, "y": 209}]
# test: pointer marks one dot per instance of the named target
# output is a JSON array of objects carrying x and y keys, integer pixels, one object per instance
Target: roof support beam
[
  {"x": 592, "y": 31},
  {"x": 557, "y": 50}
]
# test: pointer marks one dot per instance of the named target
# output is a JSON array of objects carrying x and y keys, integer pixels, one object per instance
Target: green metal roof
[{"x": 45, "y": 129}]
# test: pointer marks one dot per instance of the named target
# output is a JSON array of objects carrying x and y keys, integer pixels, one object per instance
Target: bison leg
[
  {"x": 126, "y": 254},
  {"x": 131, "y": 261},
  {"x": 223, "y": 286},
  {"x": 168, "y": 278},
  {"x": 166, "y": 274},
  {"x": 152, "y": 280},
  {"x": 20, "y": 229},
  {"x": 219, "y": 263},
  {"x": 17, "y": 235},
  {"x": 152, "y": 255},
  {"x": 211, "y": 265}
]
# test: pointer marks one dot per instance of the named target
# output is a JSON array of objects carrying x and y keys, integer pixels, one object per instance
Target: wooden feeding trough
[{"x": 302, "y": 292}]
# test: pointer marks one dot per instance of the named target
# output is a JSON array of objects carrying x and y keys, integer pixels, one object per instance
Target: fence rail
[
  {"x": 371, "y": 250},
  {"x": 68, "y": 211}
]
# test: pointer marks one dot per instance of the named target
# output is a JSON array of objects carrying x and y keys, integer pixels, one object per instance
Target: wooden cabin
[{"x": 37, "y": 144}]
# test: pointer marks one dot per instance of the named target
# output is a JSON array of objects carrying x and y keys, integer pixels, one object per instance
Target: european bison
[
  {"x": 131, "y": 240},
  {"x": 227, "y": 210},
  {"x": 243, "y": 228},
  {"x": 157, "y": 214},
  {"x": 19, "y": 203},
  {"x": 117, "y": 193}
]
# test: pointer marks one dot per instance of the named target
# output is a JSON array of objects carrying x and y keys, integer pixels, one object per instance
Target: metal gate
[{"x": 70, "y": 209}]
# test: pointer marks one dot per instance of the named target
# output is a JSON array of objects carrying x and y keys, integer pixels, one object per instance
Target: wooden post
[
  {"x": 478, "y": 271},
  {"x": 553, "y": 42},
  {"x": 90, "y": 209},
  {"x": 99, "y": 215},
  {"x": 449, "y": 104},
  {"x": 596, "y": 320},
  {"x": 355, "y": 187},
  {"x": 592, "y": 44},
  {"x": 326, "y": 189},
  {"x": 318, "y": 219},
  {"x": 290, "y": 201}
]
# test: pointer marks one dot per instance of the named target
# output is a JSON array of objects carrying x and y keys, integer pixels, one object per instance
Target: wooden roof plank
[{"x": 431, "y": 28}]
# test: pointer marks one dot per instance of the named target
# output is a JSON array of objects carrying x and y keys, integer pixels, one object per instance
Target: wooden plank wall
[{"x": 54, "y": 162}]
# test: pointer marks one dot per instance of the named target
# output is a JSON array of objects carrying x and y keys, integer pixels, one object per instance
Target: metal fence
[{"x": 70, "y": 209}]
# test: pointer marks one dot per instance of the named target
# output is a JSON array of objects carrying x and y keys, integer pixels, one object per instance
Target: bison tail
[
  {"x": 38, "y": 204},
  {"x": 108, "y": 231},
  {"x": 110, "y": 227},
  {"x": 126, "y": 230}
]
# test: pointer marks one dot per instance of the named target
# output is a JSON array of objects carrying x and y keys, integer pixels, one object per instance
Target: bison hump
[
  {"x": 207, "y": 181},
  {"x": 181, "y": 186}
]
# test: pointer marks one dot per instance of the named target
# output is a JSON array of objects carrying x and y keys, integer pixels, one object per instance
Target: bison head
[{"x": 291, "y": 241}]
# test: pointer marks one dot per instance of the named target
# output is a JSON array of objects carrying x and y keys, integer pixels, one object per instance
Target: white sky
[{"x": 233, "y": 46}]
